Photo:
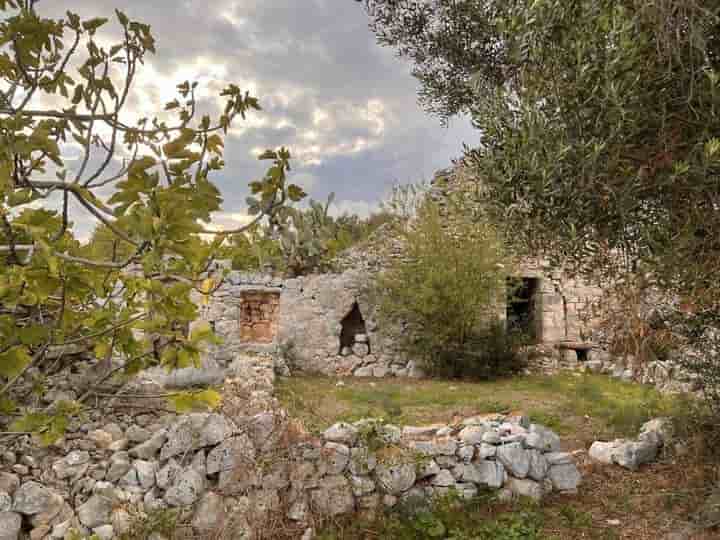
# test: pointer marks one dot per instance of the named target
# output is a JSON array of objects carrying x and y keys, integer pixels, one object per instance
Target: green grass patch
[{"x": 567, "y": 403}]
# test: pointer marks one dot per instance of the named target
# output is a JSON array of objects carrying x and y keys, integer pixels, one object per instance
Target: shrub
[{"x": 447, "y": 294}]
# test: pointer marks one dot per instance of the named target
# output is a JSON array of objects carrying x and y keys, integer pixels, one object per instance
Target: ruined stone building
[{"x": 327, "y": 323}]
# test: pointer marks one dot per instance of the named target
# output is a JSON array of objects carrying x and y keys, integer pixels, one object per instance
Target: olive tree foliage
[
  {"x": 454, "y": 45},
  {"x": 146, "y": 182}
]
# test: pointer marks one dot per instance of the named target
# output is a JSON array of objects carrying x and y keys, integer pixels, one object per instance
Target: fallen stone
[{"x": 334, "y": 458}]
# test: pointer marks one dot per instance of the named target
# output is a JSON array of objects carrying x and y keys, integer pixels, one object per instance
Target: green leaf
[
  {"x": 295, "y": 193},
  {"x": 92, "y": 25},
  {"x": 13, "y": 361}
]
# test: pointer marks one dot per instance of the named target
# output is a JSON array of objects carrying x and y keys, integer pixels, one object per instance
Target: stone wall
[{"x": 230, "y": 473}]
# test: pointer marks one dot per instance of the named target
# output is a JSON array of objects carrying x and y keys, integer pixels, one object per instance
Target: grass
[{"x": 590, "y": 406}]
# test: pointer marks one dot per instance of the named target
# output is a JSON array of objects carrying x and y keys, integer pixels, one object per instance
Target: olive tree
[
  {"x": 599, "y": 125},
  {"x": 146, "y": 182}
]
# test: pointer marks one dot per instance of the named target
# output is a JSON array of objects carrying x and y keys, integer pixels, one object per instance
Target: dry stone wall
[{"x": 230, "y": 473}]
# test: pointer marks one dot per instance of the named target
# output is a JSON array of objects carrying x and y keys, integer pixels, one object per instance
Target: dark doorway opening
[
  {"x": 353, "y": 329},
  {"x": 522, "y": 305}
]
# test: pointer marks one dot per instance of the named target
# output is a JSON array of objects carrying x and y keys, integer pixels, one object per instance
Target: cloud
[{"x": 344, "y": 106}]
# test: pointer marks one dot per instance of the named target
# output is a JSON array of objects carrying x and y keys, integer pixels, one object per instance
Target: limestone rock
[
  {"x": 209, "y": 513},
  {"x": 333, "y": 496},
  {"x": 5, "y": 502},
  {"x": 443, "y": 479},
  {"x": 195, "y": 431},
  {"x": 361, "y": 485},
  {"x": 31, "y": 498},
  {"x": 395, "y": 478},
  {"x": 104, "y": 532},
  {"x": 515, "y": 458},
  {"x": 335, "y": 458},
  {"x": 146, "y": 471},
  {"x": 542, "y": 438},
  {"x": 526, "y": 488},
  {"x": 166, "y": 476},
  {"x": 362, "y": 461},
  {"x": 633, "y": 454},
  {"x": 95, "y": 512},
  {"x": 9, "y": 482},
  {"x": 603, "y": 452},
  {"x": 341, "y": 433},
  {"x": 472, "y": 434},
  {"x": 187, "y": 489},
  {"x": 565, "y": 477},
  {"x": 10, "y": 524},
  {"x": 150, "y": 448},
  {"x": 663, "y": 427},
  {"x": 487, "y": 473},
  {"x": 538, "y": 465}
]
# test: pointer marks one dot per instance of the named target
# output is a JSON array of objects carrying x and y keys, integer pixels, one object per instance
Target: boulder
[{"x": 603, "y": 452}]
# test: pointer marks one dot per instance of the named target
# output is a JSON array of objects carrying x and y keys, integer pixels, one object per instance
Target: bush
[{"x": 447, "y": 294}]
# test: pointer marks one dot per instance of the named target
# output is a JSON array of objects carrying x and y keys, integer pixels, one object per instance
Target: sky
[{"x": 345, "y": 107}]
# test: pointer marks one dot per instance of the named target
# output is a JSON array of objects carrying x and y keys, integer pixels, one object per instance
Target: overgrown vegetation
[
  {"x": 447, "y": 292},
  {"x": 449, "y": 517}
]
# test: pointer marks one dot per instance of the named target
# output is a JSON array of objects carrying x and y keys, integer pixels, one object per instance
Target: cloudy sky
[{"x": 345, "y": 107}]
